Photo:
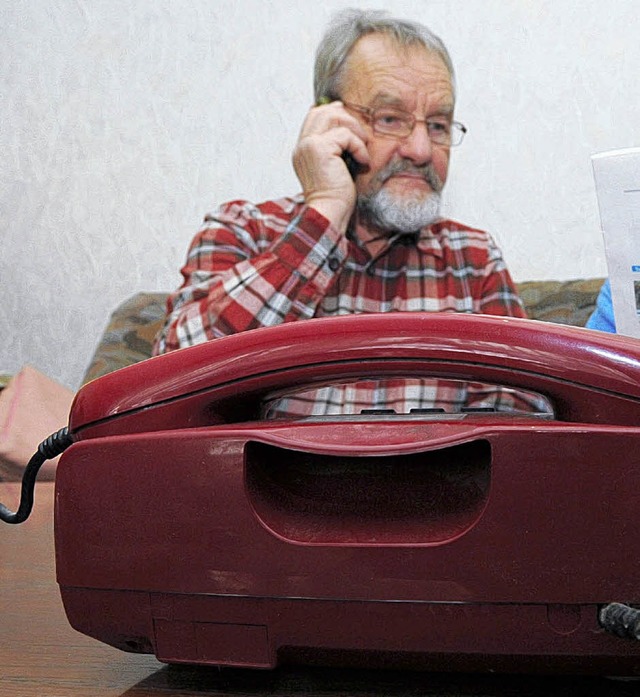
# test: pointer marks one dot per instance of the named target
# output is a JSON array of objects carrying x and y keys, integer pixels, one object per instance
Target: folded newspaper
[{"x": 617, "y": 177}]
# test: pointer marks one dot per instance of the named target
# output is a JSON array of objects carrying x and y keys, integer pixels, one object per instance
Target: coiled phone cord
[
  {"x": 51, "y": 447},
  {"x": 621, "y": 620}
]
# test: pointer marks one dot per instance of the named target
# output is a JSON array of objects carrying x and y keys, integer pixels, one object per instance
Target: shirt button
[{"x": 334, "y": 263}]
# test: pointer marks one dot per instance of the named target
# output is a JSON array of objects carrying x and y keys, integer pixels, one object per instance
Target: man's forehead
[
  {"x": 393, "y": 99},
  {"x": 382, "y": 49},
  {"x": 384, "y": 72},
  {"x": 381, "y": 66}
]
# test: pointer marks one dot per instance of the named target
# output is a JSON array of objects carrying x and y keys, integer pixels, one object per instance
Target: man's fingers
[{"x": 324, "y": 118}]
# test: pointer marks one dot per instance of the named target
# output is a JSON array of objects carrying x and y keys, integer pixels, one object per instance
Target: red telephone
[{"x": 189, "y": 527}]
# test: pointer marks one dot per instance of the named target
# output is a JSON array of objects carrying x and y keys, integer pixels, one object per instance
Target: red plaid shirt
[{"x": 280, "y": 261}]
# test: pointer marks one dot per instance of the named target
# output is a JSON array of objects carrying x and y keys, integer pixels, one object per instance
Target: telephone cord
[{"x": 51, "y": 447}]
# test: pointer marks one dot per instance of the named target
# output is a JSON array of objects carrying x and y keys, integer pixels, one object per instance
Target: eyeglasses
[{"x": 389, "y": 121}]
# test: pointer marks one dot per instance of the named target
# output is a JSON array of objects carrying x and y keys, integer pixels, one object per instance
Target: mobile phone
[{"x": 352, "y": 164}]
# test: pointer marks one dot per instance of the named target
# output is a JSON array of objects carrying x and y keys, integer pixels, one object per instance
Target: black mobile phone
[{"x": 352, "y": 164}]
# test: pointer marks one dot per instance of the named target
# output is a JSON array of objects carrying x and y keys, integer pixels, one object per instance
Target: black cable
[
  {"x": 621, "y": 620},
  {"x": 54, "y": 445}
]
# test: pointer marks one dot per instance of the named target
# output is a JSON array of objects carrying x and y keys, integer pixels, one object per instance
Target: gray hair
[{"x": 350, "y": 25}]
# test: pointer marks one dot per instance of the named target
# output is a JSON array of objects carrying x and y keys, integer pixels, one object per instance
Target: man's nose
[{"x": 417, "y": 146}]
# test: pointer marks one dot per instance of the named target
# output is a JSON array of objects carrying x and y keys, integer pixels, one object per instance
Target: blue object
[{"x": 602, "y": 317}]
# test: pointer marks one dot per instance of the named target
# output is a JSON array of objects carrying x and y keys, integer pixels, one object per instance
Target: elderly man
[{"x": 365, "y": 235}]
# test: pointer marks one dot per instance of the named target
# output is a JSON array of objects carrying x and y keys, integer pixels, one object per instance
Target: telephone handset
[{"x": 587, "y": 376}]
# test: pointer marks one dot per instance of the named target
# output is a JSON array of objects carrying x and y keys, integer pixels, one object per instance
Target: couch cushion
[
  {"x": 129, "y": 335},
  {"x": 562, "y": 302}
]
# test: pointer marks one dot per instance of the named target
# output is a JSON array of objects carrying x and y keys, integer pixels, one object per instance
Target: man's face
[{"x": 380, "y": 73}]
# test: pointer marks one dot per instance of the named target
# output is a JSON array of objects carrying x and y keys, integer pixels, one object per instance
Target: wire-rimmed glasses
[{"x": 397, "y": 123}]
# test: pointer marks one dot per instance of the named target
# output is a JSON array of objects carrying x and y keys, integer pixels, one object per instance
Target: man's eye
[
  {"x": 439, "y": 127},
  {"x": 390, "y": 120}
]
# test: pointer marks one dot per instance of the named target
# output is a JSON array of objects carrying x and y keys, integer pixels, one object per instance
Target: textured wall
[{"x": 124, "y": 121}]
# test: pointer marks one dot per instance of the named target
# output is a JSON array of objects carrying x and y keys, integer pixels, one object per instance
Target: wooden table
[{"x": 40, "y": 654}]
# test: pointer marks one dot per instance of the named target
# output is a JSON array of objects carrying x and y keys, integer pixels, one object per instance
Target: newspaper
[{"x": 617, "y": 177}]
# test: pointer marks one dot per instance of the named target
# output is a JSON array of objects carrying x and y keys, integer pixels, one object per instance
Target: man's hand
[{"x": 327, "y": 132}]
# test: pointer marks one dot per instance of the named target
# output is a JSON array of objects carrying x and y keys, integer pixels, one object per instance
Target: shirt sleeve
[
  {"x": 602, "y": 317},
  {"x": 251, "y": 266},
  {"x": 498, "y": 294}
]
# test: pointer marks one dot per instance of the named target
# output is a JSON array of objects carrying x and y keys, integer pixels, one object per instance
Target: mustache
[{"x": 427, "y": 172}]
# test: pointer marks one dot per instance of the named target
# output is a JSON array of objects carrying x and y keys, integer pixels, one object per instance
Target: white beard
[{"x": 400, "y": 214}]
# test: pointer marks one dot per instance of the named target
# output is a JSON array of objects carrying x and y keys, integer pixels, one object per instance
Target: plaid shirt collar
[{"x": 428, "y": 241}]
